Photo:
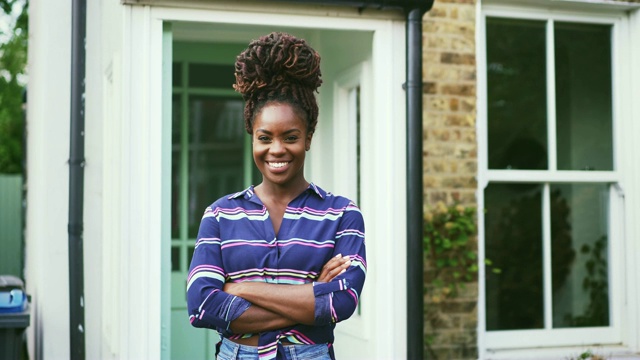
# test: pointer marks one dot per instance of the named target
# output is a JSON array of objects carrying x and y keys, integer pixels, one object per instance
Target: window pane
[
  {"x": 579, "y": 253},
  {"x": 583, "y": 96},
  {"x": 516, "y": 87},
  {"x": 176, "y": 74},
  {"x": 175, "y": 258},
  {"x": 211, "y": 76},
  {"x": 216, "y": 142},
  {"x": 513, "y": 243}
]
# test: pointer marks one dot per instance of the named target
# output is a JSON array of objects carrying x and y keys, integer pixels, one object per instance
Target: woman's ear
[{"x": 307, "y": 142}]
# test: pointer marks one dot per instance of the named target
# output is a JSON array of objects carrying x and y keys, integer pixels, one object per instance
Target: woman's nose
[{"x": 277, "y": 147}]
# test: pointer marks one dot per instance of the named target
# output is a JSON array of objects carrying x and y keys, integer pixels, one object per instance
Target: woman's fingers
[{"x": 334, "y": 267}]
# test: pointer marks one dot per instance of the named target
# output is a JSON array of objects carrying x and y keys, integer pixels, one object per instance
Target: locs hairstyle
[{"x": 278, "y": 68}]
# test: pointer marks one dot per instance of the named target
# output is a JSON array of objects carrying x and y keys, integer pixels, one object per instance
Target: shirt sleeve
[
  {"x": 338, "y": 299},
  {"x": 207, "y": 304}
]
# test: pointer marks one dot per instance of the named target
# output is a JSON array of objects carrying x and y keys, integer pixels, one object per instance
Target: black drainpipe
[
  {"x": 415, "y": 190},
  {"x": 76, "y": 181}
]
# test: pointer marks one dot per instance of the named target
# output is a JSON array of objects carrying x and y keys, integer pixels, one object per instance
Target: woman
[{"x": 277, "y": 265}]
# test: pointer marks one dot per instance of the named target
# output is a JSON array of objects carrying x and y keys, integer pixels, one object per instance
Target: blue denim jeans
[{"x": 232, "y": 351}]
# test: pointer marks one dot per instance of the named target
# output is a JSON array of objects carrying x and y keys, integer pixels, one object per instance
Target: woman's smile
[
  {"x": 277, "y": 165},
  {"x": 280, "y": 142}
]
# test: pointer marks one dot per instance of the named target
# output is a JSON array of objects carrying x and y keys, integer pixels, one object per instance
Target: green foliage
[
  {"x": 450, "y": 249},
  {"x": 451, "y": 261},
  {"x": 587, "y": 355},
  {"x": 13, "y": 60},
  {"x": 596, "y": 283}
]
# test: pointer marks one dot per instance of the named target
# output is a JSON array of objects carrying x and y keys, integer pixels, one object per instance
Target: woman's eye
[
  {"x": 291, "y": 138},
  {"x": 263, "y": 138}
]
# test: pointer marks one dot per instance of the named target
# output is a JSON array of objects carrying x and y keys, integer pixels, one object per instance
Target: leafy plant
[
  {"x": 451, "y": 260},
  {"x": 450, "y": 249},
  {"x": 588, "y": 355}
]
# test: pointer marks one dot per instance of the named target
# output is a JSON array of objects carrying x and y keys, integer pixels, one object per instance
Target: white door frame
[{"x": 144, "y": 207}]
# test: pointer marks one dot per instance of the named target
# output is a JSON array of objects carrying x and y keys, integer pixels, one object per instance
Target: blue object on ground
[{"x": 14, "y": 317}]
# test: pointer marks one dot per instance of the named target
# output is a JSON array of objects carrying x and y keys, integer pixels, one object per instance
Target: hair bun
[{"x": 274, "y": 61}]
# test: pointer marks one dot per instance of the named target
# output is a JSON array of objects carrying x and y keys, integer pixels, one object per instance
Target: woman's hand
[{"x": 334, "y": 267}]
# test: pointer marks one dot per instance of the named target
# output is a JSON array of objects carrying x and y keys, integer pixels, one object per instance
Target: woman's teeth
[{"x": 277, "y": 164}]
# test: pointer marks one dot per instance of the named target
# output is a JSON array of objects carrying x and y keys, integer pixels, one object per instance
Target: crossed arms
[{"x": 276, "y": 306}]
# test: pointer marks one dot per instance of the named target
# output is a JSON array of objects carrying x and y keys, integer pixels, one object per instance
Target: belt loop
[{"x": 236, "y": 349}]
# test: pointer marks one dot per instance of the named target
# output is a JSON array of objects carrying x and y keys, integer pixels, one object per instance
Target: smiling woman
[{"x": 277, "y": 265}]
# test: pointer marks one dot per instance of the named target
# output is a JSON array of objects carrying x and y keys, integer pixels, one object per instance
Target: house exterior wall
[
  {"x": 123, "y": 199},
  {"x": 450, "y": 169},
  {"x": 46, "y": 265}
]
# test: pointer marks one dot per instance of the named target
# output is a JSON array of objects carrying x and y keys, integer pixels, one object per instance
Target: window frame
[{"x": 494, "y": 343}]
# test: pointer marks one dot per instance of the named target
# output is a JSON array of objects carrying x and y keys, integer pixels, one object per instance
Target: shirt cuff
[
  {"x": 230, "y": 309},
  {"x": 323, "y": 292},
  {"x": 320, "y": 288}
]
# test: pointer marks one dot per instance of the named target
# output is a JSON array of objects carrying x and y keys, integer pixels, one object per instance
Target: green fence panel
[{"x": 11, "y": 249}]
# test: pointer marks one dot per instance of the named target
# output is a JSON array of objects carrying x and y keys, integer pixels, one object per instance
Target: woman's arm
[
  {"x": 295, "y": 303},
  {"x": 257, "y": 319},
  {"x": 338, "y": 299},
  {"x": 207, "y": 304}
]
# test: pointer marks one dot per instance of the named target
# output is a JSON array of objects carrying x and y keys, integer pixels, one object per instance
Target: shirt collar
[{"x": 248, "y": 192}]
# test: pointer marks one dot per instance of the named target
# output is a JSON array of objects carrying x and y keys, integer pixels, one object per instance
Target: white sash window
[{"x": 551, "y": 178}]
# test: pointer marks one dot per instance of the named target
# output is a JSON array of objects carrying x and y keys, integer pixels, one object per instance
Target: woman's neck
[{"x": 281, "y": 194}]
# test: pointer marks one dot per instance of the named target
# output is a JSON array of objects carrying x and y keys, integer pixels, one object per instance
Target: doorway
[{"x": 211, "y": 153}]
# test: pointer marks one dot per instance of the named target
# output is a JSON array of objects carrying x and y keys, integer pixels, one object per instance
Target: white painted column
[{"x": 48, "y": 118}]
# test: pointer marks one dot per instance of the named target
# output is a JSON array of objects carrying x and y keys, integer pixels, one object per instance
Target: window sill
[{"x": 609, "y": 352}]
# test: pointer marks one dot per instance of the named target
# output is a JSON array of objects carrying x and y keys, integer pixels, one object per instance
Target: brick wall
[
  {"x": 449, "y": 73},
  {"x": 450, "y": 160}
]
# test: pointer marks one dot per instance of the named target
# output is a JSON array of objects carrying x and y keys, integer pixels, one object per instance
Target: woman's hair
[{"x": 279, "y": 68}]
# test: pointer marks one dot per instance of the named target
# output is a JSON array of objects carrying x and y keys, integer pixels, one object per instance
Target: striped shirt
[{"x": 236, "y": 242}]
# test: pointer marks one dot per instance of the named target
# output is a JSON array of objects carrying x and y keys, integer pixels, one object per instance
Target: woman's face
[{"x": 280, "y": 141}]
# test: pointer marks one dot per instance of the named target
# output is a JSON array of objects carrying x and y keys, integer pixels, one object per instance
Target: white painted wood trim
[
  {"x": 482, "y": 139},
  {"x": 345, "y": 131},
  {"x": 560, "y": 176},
  {"x": 630, "y": 111},
  {"x": 552, "y": 147},
  {"x": 140, "y": 322},
  {"x": 546, "y": 257},
  {"x": 269, "y": 19}
]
